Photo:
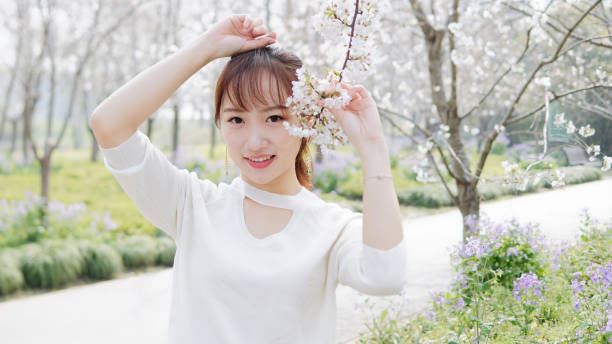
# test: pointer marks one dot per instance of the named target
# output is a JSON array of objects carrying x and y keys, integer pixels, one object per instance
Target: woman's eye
[
  {"x": 237, "y": 118},
  {"x": 278, "y": 117}
]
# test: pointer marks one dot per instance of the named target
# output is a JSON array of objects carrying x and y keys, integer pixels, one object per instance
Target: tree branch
[
  {"x": 433, "y": 161},
  {"x": 427, "y": 136},
  {"x": 556, "y": 96},
  {"x": 502, "y": 76},
  {"x": 493, "y": 135}
]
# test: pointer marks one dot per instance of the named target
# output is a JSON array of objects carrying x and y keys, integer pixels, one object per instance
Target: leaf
[
  {"x": 474, "y": 319},
  {"x": 383, "y": 315}
]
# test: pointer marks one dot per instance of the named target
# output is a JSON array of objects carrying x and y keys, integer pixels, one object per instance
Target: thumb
[{"x": 260, "y": 42}]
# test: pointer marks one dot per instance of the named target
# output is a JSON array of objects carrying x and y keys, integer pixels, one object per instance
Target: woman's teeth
[{"x": 262, "y": 159}]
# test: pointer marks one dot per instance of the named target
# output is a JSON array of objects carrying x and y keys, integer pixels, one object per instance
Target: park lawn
[
  {"x": 492, "y": 167},
  {"x": 75, "y": 180}
]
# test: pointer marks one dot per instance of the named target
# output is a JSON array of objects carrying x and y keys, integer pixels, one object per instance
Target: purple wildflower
[
  {"x": 460, "y": 303},
  {"x": 472, "y": 222},
  {"x": 512, "y": 251},
  {"x": 528, "y": 289},
  {"x": 577, "y": 287}
]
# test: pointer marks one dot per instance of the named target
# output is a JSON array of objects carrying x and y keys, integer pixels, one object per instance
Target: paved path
[{"x": 135, "y": 309}]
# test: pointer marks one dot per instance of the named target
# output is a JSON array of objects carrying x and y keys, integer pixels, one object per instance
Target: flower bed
[{"x": 514, "y": 287}]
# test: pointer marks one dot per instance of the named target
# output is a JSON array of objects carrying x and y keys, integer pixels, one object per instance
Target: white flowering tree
[
  {"x": 58, "y": 55},
  {"x": 458, "y": 64},
  {"x": 502, "y": 61}
]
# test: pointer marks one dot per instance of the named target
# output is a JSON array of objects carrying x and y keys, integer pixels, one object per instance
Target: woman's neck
[{"x": 284, "y": 184}]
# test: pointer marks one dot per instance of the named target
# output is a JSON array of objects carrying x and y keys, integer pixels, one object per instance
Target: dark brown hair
[{"x": 241, "y": 80}]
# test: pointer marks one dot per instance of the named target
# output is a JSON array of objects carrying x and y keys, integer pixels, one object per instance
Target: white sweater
[{"x": 230, "y": 287}]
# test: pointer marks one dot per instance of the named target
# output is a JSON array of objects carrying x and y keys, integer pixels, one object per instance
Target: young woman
[{"x": 258, "y": 260}]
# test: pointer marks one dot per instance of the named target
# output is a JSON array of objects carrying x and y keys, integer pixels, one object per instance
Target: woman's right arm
[{"x": 120, "y": 115}]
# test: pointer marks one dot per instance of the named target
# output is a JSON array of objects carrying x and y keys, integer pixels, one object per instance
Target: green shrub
[
  {"x": 100, "y": 261},
  {"x": 326, "y": 181},
  {"x": 499, "y": 254},
  {"x": 55, "y": 264},
  {"x": 429, "y": 196},
  {"x": 499, "y": 148},
  {"x": 137, "y": 251},
  {"x": 166, "y": 248},
  {"x": 565, "y": 305},
  {"x": 11, "y": 278}
]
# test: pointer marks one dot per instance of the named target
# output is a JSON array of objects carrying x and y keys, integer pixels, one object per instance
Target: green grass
[{"x": 79, "y": 180}]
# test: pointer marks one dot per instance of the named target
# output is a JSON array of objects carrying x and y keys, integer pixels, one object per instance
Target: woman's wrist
[{"x": 203, "y": 50}]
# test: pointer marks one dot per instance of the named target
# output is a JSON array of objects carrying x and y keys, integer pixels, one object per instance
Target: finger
[
  {"x": 362, "y": 91},
  {"x": 259, "y": 42},
  {"x": 259, "y": 30},
  {"x": 247, "y": 23}
]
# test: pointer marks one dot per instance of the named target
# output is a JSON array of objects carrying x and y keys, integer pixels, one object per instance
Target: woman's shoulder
[
  {"x": 212, "y": 191},
  {"x": 327, "y": 211}
]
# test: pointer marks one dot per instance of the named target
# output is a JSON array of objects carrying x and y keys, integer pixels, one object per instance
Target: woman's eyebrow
[{"x": 274, "y": 107}]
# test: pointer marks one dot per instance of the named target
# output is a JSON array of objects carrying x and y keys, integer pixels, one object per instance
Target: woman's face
[{"x": 258, "y": 133}]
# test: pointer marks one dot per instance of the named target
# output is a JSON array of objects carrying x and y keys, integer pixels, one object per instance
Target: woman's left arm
[{"x": 360, "y": 121}]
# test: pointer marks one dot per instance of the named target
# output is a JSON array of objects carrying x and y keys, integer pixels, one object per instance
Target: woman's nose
[{"x": 256, "y": 139}]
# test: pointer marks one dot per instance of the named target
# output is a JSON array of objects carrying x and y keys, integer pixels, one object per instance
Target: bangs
[
  {"x": 257, "y": 78},
  {"x": 259, "y": 86}
]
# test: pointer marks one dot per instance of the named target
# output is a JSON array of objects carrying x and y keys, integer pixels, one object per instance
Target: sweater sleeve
[
  {"x": 367, "y": 269},
  {"x": 157, "y": 187}
]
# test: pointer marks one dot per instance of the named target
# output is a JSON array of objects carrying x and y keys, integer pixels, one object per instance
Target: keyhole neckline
[{"x": 270, "y": 198}]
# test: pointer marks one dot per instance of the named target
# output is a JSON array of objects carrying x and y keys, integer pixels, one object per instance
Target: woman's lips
[{"x": 261, "y": 164}]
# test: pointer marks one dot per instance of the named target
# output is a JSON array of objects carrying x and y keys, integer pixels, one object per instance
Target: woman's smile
[{"x": 261, "y": 162}]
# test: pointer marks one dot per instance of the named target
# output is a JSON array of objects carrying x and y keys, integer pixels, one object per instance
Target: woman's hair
[{"x": 242, "y": 79}]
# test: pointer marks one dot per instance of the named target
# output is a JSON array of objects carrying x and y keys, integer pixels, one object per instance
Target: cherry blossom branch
[
  {"x": 348, "y": 51},
  {"x": 312, "y": 97}
]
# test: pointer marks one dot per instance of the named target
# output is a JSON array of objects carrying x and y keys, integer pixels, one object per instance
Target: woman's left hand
[{"x": 359, "y": 119}]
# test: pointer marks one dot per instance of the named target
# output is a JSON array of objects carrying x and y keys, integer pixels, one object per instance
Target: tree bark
[
  {"x": 213, "y": 132},
  {"x": 150, "y": 122},
  {"x": 176, "y": 108}
]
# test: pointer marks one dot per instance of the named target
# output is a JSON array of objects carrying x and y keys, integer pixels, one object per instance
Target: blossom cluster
[
  {"x": 348, "y": 24},
  {"x": 519, "y": 178},
  {"x": 585, "y": 131},
  {"x": 528, "y": 289}
]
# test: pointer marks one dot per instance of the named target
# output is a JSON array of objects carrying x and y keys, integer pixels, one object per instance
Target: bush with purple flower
[
  {"x": 528, "y": 289},
  {"x": 499, "y": 254},
  {"x": 27, "y": 220}
]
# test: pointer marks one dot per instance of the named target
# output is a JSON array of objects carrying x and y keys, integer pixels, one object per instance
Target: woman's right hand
[{"x": 238, "y": 34}]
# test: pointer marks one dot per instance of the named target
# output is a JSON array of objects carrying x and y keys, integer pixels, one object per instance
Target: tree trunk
[
  {"x": 94, "y": 146},
  {"x": 213, "y": 134},
  {"x": 175, "y": 131},
  {"x": 469, "y": 204},
  {"x": 14, "y": 136},
  {"x": 150, "y": 122},
  {"x": 45, "y": 171},
  {"x": 27, "y": 117}
]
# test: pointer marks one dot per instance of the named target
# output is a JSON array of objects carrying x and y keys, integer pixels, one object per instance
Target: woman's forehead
[
  {"x": 259, "y": 90},
  {"x": 269, "y": 102}
]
